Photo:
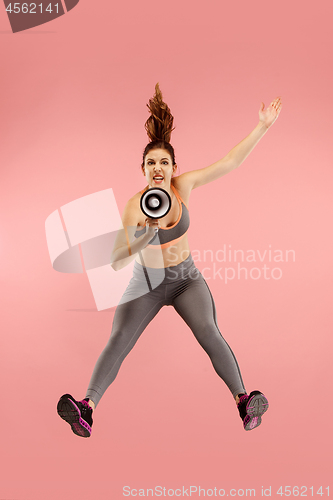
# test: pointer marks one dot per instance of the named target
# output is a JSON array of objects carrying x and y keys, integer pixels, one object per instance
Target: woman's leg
[
  {"x": 129, "y": 321},
  {"x": 195, "y": 304}
]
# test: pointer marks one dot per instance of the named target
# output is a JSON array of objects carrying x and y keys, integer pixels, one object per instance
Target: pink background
[{"x": 73, "y": 95}]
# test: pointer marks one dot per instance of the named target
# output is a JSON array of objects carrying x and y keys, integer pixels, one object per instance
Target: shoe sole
[
  {"x": 255, "y": 408},
  {"x": 70, "y": 412}
]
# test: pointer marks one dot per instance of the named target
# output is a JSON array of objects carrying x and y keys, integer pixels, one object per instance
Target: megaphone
[{"x": 155, "y": 203}]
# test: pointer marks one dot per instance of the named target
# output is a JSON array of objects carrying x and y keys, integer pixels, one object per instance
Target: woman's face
[{"x": 158, "y": 168}]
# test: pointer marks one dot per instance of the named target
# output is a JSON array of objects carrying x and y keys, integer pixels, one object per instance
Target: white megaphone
[{"x": 155, "y": 203}]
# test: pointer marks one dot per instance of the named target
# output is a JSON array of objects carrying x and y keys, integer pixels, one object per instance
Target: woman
[{"x": 164, "y": 272}]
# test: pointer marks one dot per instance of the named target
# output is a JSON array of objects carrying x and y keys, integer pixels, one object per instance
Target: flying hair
[{"x": 159, "y": 124}]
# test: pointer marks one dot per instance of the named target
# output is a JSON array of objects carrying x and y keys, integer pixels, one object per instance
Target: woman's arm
[
  {"x": 126, "y": 246},
  {"x": 237, "y": 155},
  {"x": 125, "y": 254}
]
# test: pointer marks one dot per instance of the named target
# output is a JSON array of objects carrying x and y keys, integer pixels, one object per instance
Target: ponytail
[{"x": 159, "y": 125}]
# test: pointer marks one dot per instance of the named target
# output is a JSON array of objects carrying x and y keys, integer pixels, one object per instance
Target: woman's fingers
[
  {"x": 152, "y": 222},
  {"x": 270, "y": 114},
  {"x": 277, "y": 102}
]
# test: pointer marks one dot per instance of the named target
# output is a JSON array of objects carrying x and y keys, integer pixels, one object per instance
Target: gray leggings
[{"x": 182, "y": 287}]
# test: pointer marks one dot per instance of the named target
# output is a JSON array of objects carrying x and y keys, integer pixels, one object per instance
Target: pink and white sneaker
[
  {"x": 251, "y": 407},
  {"x": 77, "y": 413}
]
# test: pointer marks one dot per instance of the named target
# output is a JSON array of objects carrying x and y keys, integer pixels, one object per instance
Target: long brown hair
[{"x": 159, "y": 125}]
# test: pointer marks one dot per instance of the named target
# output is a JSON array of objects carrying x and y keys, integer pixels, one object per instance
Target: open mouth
[{"x": 158, "y": 178}]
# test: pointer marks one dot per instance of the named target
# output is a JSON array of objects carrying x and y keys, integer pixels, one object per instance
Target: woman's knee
[
  {"x": 119, "y": 337},
  {"x": 206, "y": 332},
  {"x": 208, "y": 328}
]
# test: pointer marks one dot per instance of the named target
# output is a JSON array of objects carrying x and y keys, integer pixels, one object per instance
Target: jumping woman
[{"x": 161, "y": 245}]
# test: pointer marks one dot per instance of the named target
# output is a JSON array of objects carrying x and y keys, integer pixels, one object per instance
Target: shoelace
[
  {"x": 242, "y": 399},
  {"x": 85, "y": 403}
]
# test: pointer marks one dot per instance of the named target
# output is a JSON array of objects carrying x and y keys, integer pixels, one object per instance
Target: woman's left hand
[{"x": 271, "y": 113}]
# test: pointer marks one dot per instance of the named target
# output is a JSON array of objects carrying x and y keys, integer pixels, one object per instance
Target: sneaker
[
  {"x": 250, "y": 408},
  {"x": 77, "y": 413}
]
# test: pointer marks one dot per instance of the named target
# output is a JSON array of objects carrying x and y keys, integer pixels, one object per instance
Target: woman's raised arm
[{"x": 237, "y": 155}]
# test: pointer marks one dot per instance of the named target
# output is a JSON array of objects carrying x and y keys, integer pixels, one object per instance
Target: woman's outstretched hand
[{"x": 271, "y": 113}]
